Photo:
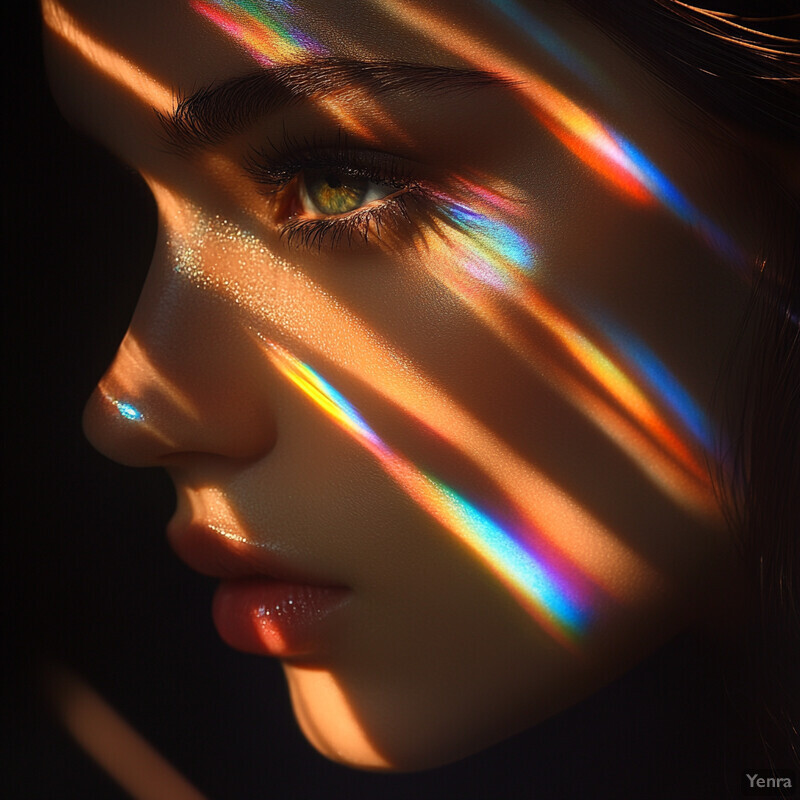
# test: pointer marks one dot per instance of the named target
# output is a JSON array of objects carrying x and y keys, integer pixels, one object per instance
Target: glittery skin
[
  {"x": 268, "y": 288},
  {"x": 272, "y": 293}
]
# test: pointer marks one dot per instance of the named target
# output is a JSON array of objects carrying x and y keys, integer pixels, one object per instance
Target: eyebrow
[{"x": 213, "y": 113}]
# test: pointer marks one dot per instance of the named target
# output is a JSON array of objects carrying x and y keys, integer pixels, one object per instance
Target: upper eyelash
[{"x": 278, "y": 165}]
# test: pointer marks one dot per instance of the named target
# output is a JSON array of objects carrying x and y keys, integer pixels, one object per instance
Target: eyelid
[{"x": 277, "y": 168}]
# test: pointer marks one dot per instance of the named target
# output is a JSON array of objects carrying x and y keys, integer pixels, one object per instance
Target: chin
[{"x": 391, "y": 736}]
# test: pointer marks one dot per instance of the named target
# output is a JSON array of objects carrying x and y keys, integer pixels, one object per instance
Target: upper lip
[{"x": 211, "y": 552}]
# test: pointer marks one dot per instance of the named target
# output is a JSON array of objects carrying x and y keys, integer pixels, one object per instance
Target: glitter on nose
[{"x": 128, "y": 411}]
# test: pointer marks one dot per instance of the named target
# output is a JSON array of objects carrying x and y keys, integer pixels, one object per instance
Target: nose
[{"x": 187, "y": 379}]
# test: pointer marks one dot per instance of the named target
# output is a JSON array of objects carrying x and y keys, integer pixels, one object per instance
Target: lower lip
[{"x": 266, "y": 617}]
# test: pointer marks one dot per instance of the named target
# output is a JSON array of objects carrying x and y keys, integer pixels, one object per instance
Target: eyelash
[{"x": 278, "y": 169}]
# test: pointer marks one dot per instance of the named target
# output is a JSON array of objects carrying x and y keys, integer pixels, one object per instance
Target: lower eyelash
[{"x": 316, "y": 233}]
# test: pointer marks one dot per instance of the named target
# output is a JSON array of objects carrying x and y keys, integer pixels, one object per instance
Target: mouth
[{"x": 264, "y": 605}]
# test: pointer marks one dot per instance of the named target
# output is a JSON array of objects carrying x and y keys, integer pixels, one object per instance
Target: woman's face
[{"x": 428, "y": 344}]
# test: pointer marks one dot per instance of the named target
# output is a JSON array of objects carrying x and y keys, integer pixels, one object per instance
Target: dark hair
[{"x": 740, "y": 63}]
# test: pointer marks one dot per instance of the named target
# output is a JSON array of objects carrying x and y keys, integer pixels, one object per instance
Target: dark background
[{"x": 90, "y": 581}]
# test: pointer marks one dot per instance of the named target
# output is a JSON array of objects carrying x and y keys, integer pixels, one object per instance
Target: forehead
[
  {"x": 153, "y": 50},
  {"x": 181, "y": 38}
]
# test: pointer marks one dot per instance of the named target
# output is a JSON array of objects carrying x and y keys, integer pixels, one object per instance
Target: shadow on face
[{"x": 434, "y": 317}]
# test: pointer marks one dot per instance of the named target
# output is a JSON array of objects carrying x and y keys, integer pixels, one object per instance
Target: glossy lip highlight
[
  {"x": 207, "y": 549},
  {"x": 273, "y": 618}
]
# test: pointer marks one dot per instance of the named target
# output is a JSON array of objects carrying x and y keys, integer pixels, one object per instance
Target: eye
[
  {"x": 323, "y": 196},
  {"x": 331, "y": 192}
]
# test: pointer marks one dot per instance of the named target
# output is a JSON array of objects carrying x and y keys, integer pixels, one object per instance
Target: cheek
[
  {"x": 438, "y": 658},
  {"x": 444, "y": 660}
]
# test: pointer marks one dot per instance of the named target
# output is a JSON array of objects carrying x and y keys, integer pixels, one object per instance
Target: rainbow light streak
[
  {"x": 128, "y": 411},
  {"x": 622, "y": 164},
  {"x": 262, "y": 27},
  {"x": 491, "y": 251},
  {"x": 547, "y": 595},
  {"x": 499, "y": 240},
  {"x": 619, "y": 384},
  {"x": 661, "y": 381},
  {"x": 607, "y": 153},
  {"x": 481, "y": 249},
  {"x": 270, "y": 41}
]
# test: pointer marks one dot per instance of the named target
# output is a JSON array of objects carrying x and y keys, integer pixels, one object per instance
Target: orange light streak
[
  {"x": 677, "y": 472},
  {"x": 112, "y": 742},
  {"x": 582, "y": 133},
  {"x": 107, "y": 61},
  {"x": 356, "y": 103}
]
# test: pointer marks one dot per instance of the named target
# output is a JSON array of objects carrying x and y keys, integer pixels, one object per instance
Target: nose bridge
[{"x": 187, "y": 378}]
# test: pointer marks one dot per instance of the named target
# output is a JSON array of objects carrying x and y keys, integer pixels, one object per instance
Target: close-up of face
[{"x": 429, "y": 345}]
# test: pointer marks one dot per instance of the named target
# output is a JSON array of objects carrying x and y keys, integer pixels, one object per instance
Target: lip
[
  {"x": 264, "y": 604},
  {"x": 284, "y": 620},
  {"x": 211, "y": 552}
]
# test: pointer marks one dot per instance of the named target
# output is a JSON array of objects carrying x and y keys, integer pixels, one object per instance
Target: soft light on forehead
[{"x": 110, "y": 63}]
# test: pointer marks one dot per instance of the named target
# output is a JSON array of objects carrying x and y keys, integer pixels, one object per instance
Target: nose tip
[
  {"x": 120, "y": 431},
  {"x": 144, "y": 412}
]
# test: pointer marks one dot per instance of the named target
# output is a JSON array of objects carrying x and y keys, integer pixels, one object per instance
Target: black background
[{"x": 90, "y": 581}]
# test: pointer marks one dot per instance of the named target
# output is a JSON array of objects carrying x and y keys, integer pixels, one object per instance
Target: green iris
[{"x": 334, "y": 193}]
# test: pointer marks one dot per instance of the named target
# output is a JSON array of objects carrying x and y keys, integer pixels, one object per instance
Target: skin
[{"x": 433, "y": 658}]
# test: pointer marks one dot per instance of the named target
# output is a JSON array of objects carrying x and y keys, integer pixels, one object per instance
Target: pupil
[{"x": 335, "y": 193}]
